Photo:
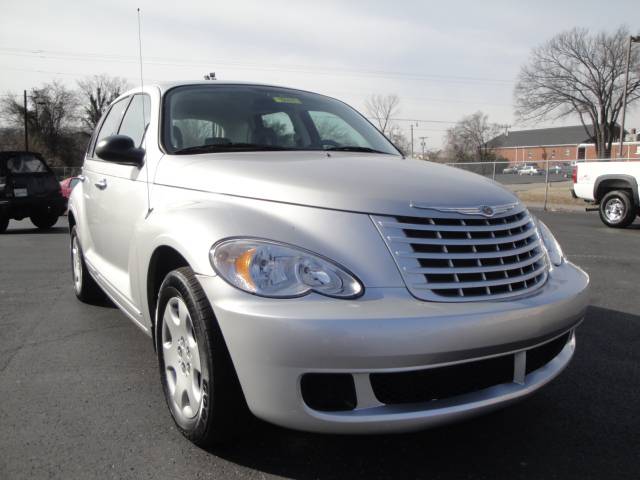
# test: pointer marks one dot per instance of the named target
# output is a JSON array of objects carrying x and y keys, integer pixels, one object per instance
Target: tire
[
  {"x": 617, "y": 209},
  {"x": 198, "y": 378},
  {"x": 44, "y": 221},
  {"x": 84, "y": 286},
  {"x": 4, "y": 223}
]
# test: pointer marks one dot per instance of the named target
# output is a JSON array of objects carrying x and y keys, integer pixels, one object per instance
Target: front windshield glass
[{"x": 211, "y": 118}]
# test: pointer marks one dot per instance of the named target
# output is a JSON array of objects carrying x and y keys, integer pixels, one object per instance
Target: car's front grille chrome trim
[{"x": 454, "y": 257}]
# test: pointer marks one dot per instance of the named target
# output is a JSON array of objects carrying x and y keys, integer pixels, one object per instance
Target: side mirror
[{"x": 120, "y": 149}]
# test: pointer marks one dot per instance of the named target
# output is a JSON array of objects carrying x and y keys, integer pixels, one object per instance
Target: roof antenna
[{"x": 144, "y": 117}]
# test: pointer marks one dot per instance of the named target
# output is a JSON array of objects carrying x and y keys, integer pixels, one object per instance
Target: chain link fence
[
  {"x": 66, "y": 172},
  {"x": 542, "y": 182}
]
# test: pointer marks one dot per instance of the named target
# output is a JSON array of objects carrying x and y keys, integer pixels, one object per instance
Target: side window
[
  {"x": 280, "y": 125},
  {"x": 133, "y": 124},
  {"x": 332, "y": 128},
  {"x": 112, "y": 121}
]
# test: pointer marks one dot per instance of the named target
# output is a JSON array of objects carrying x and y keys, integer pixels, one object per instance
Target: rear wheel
[
  {"x": 198, "y": 378},
  {"x": 84, "y": 286},
  {"x": 4, "y": 222},
  {"x": 617, "y": 209},
  {"x": 44, "y": 221}
]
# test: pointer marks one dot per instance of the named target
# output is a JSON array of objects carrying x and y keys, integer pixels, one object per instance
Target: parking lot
[{"x": 80, "y": 395}]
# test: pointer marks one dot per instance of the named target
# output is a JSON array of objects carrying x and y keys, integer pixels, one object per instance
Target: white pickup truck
[{"x": 613, "y": 186}]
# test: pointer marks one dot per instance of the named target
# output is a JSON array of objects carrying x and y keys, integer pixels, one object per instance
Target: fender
[
  {"x": 198, "y": 220},
  {"x": 618, "y": 181}
]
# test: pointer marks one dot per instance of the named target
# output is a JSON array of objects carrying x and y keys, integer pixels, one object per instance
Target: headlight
[
  {"x": 272, "y": 269},
  {"x": 551, "y": 244}
]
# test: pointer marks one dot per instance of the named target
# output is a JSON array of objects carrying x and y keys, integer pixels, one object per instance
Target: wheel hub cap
[
  {"x": 76, "y": 262},
  {"x": 614, "y": 209},
  {"x": 181, "y": 356}
]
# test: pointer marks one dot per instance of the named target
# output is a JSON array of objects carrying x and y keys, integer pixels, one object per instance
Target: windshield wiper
[
  {"x": 226, "y": 147},
  {"x": 354, "y": 148}
]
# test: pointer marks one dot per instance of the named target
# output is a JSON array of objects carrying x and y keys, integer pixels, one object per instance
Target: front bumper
[{"x": 273, "y": 343}]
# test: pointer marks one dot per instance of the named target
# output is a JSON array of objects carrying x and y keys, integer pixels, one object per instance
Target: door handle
[{"x": 101, "y": 184}]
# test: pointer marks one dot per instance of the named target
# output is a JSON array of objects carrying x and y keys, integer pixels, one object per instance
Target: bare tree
[
  {"x": 399, "y": 139},
  {"x": 51, "y": 115},
  {"x": 467, "y": 140},
  {"x": 382, "y": 108},
  {"x": 97, "y": 93},
  {"x": 577, "y": 73}
]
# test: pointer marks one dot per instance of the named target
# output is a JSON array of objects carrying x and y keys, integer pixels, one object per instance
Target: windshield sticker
[{"x": 287, "y": 100}]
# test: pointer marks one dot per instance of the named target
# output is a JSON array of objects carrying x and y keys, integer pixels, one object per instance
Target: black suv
[{"x": 28, "y": 188}]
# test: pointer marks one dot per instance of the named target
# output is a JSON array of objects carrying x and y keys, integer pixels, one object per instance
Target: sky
[{"x": 444, "y": 60}]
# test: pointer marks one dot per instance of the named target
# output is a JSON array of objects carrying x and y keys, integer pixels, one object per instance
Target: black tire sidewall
[
  {"x": 630, "y": 209},
  {"x": 4, "y": 222},
  {"x": 44, "y": 221},
  {"x": 175, "y": 284}
]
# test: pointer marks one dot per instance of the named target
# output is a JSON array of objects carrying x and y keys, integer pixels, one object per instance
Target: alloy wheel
[
  {"x": 614, "y": 210},
  {"x": 182, "y": 367},
  {"x": 76, "y": 262}
]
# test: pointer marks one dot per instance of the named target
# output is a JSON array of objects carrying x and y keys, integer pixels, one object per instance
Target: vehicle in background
[
  {"x": 67, "y": 185},
  {"x": 28, "y": 188},
  {"x": 510, "y": 169},
  {"x": 563, "y": 169},
  {"x": 612, "y": 186},
  {"x": 530, "y": 170},
  {"x": 287, "y": 260}
]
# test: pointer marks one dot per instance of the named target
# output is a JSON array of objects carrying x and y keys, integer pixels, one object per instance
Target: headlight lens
[
  {"x": 272, "y": 269},
  {"x": 556, "y": 256}
]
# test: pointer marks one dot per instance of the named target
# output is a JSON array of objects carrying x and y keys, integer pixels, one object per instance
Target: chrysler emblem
[
  {"x": 487, "y": 210},
  {"x": 484, "y": 210}
]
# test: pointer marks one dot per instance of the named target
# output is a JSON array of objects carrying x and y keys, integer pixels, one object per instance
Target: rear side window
[
  {"x": 25, "y": 163},
  {"x": 335, "y": 130},
  {"x": 112, "y": 121},
  {"x": 279, "y": 124},
  {"x": 136, "y": 119}
]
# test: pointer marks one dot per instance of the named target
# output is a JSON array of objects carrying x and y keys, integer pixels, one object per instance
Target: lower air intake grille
[{"x": 418, "y": 386}]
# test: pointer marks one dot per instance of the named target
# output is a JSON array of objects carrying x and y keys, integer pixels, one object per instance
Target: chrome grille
[{"x": 452, "y": 257}]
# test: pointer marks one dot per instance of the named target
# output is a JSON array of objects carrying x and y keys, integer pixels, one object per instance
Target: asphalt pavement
[{"x": 80, "y": 395}]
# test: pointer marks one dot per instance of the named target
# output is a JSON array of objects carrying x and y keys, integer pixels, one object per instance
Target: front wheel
[
  {"x": 198, "y": 378},
  {"x": 84, "y": 286},
  {"x": 44, "y": 221},
  {"x": 617, "y": 209}
]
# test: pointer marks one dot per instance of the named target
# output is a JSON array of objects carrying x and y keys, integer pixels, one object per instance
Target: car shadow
[
  {"x": 576, "y": 427},
  {"x": 35, "y": 231}
]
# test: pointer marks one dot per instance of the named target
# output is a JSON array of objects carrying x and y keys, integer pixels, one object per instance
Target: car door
[{"x": 118, "y": 199}]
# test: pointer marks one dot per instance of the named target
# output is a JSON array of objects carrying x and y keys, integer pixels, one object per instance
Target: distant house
[{"x": 558, "y": 143}]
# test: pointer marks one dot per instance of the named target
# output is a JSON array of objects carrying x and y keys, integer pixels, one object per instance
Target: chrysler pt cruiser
[{"x": 287, "y": 260}]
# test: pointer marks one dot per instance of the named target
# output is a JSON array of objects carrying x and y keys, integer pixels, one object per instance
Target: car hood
[{"x": 367, "y": 183}]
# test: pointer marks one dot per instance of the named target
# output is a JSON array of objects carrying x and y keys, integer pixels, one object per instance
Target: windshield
[
  {"x": 25, "y": 163},
  {"x": 210, "y": 118}
]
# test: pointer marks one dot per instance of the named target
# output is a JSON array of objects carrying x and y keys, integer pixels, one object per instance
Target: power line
[{"x": 299, "y": 68}]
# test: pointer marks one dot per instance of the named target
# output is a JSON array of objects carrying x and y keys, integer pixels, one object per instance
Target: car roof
[{"x": 168, "y": 85}]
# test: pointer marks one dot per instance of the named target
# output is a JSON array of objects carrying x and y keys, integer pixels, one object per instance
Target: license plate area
[{"x": 20, "y": 192}]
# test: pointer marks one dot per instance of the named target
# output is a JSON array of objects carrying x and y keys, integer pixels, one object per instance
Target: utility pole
[
  {"x": 26, "y": 129},
  {"x": 423, "y": 144},
  {"x": 412, "y": 125},
  {"x": 632, "y": 39}
]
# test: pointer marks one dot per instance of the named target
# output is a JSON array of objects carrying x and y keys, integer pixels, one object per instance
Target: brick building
[{"x": 556, "y": 144}]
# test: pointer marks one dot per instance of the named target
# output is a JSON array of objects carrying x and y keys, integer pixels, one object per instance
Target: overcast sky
[{"x": 443, "y": 59}]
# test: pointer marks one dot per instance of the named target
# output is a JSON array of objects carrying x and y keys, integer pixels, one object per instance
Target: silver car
[{"x": 287, "y": 260}]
